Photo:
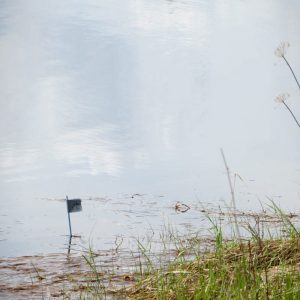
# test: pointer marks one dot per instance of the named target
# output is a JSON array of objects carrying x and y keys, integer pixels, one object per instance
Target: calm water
[{"x": 106, "y": 99}]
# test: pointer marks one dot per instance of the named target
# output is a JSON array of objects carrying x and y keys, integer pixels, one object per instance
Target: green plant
[{"x": 95, "y": 286}]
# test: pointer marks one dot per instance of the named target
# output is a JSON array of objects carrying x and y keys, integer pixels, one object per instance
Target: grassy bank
[
  {"x": 252, "y": 268},
  {"x": 263, "y": 262}
]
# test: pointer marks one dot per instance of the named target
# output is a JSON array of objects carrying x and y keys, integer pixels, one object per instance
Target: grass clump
[
  {"x": 250, "y": 270},
  {"x": 214, "y": 267}
]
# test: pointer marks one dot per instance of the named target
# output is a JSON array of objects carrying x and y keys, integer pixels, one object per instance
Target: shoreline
[{"x": 142, "y": 272}]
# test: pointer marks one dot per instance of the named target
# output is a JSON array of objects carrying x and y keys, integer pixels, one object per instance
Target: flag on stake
[{"x": 74, "y": 205}]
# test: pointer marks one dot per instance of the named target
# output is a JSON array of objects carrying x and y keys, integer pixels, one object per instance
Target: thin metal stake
[{"x": 69, "y": 217}]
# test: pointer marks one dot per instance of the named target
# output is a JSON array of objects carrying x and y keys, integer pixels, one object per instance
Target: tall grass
[
  {"x": 95, "y": 288},
  {"x": 252, "y": 268},
  {"x": 233, "y": 204}
]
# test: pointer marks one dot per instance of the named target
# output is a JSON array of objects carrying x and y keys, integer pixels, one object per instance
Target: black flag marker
[{"x": 73, "y": 205}]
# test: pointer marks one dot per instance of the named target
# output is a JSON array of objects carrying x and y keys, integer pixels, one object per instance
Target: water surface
[{"x": 107, "y": 99}]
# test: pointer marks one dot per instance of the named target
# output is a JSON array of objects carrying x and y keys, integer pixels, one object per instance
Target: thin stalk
[
  {"x": 232, "y": 195},
  {"x": 291, "y": 113},
  {"x": 291, "y": 71}
]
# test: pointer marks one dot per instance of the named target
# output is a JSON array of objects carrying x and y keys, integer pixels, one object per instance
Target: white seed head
[
  {"x": 282, "y": 97},
  {"x": 281, "y": 49}
]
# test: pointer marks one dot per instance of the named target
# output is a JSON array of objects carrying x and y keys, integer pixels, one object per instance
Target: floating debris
[{"x": 181, "y": 207}]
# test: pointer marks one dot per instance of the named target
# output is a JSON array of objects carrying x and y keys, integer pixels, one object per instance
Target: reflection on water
[
  {"x": 108, "y": 97},
  {"x": 89, "y": 150}
]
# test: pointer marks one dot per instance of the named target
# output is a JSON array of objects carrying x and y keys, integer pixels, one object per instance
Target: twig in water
[{"x": 181, "y": 207}]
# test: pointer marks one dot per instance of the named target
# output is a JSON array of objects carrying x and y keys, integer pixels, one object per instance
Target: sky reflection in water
[{"x": 112, "y": 97}]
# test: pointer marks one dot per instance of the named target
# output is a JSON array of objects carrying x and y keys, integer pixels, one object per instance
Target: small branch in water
[{"x": 181, "y": 207}]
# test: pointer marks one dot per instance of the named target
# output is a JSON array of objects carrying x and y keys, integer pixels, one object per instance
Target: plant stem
[
  {"x": 232, "y": 195},
  {"x": 291, "y": 113},
  {"x": 292, "y": 72}
]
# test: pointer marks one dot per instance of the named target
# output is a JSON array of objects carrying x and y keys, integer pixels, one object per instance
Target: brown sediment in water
[{"x": 58, "y": 275}]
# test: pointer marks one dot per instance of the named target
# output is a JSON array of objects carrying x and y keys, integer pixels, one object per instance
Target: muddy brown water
[{"x": 58, "y": 275}]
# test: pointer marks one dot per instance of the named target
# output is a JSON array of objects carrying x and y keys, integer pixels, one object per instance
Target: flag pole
[
  {"x": 69, "y": 217},
  {"x": 69, "y": 246}
]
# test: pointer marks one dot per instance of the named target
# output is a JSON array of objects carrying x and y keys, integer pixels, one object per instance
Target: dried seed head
[
  {"x": 282, "y": 97},
  {"x": 281, "y": 49}
]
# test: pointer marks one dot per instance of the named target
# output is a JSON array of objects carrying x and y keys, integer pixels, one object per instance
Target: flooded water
[{"x": 126, "y": 104}]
